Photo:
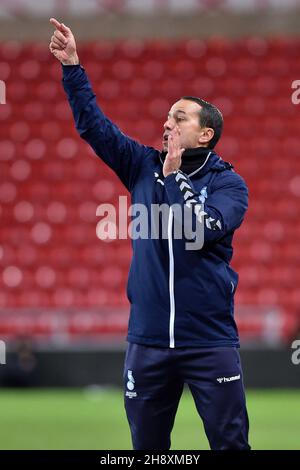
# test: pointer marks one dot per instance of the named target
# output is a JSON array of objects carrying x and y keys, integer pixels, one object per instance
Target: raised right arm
[{"x": 121, "y": 153}]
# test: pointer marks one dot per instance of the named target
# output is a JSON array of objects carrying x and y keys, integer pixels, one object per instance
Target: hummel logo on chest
[{"x": 158, "y": 180}]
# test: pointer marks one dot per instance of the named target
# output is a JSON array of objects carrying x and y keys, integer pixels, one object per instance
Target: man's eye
[{"x": 180, "y": 119}]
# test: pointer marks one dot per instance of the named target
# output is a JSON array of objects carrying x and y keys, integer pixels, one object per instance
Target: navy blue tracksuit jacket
[{"x": 178, "y": 297}]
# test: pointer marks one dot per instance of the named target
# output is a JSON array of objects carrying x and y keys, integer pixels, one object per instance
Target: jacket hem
[{"x": 182, "y": 344}]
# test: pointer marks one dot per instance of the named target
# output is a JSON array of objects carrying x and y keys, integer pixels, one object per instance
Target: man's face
[{"x": 185, "y": 115}]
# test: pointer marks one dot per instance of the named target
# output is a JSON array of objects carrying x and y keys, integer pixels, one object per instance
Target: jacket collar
[{"x": 197, "y": 162}]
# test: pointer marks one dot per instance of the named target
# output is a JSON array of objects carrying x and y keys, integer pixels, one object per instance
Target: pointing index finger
[
  {"x": 60, "y": 27},
  {"x": 56, "y": 23}
]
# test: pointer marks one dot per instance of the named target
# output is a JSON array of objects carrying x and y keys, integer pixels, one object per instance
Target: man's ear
[{"x": 206, "y": 135}]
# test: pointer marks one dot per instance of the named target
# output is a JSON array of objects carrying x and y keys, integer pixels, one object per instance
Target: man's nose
[{"x": 169, "y": 124}]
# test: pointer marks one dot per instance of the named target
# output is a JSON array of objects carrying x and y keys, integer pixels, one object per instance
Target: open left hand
[{"x": 173, "y": 159}]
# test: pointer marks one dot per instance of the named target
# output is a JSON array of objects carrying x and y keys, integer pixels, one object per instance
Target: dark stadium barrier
[{"x": 263, "y": 368}]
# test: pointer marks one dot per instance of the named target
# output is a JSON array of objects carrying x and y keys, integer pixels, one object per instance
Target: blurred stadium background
[{"x": 63, "y": 309}]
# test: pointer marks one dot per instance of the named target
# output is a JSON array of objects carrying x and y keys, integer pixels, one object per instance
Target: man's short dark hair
[{"x": 210, "y": 116}]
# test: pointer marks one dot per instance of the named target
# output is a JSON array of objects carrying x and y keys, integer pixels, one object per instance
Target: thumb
[{"x": 65, "y": 29}]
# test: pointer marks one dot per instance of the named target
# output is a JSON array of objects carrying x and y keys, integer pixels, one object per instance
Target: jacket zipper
[
  {"x": 171, "y": 266},
  {"x": 171, "y": 280}
]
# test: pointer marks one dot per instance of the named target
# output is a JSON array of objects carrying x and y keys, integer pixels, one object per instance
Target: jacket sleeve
[
  {"x": 118, "y": 151},
  {"x": 221, "y": 212}
]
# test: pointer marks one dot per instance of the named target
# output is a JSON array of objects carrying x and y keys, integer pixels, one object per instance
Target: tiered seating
[{"x": 51, "y": 185}]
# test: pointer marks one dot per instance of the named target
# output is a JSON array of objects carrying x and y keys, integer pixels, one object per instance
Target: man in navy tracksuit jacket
[{"x": 181, "y": 327}]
